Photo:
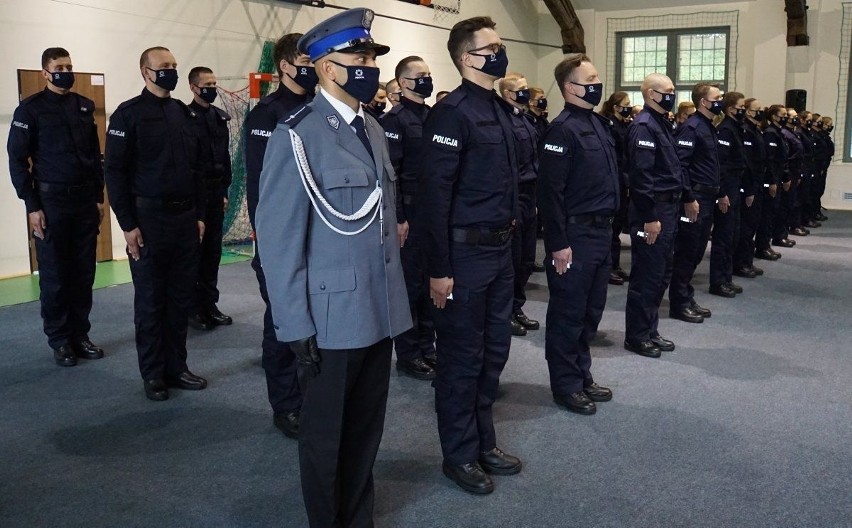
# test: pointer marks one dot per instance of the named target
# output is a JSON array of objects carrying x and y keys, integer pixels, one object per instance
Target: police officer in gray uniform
[{"x": 326, "y": 227}]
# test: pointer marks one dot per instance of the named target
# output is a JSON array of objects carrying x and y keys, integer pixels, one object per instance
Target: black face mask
[
  {"x": 166, "y": 79},
  {"x": 422, "y": 86},
  {"x": 759, "y": 115},
  {"x": 782, "y": 121},
  {"x": 624, "y": 111},
  {"x": 594, "y": 92},
  {"x": 667, "y": 102},
  {"x": 541, "y": 104},
  {"x": 362, "y": 82},
  {"x": 306, "y": 78},
  {"x": 522, "y": 97},
  {"x": 207, "y": 93},
  {"x": 380, "y": 107},
  {"x": 795, "y": 121},
  {"x": 739, "y": 115},
  {"x": 495, "y": 65},
  {"x": 62, "y": 79}
]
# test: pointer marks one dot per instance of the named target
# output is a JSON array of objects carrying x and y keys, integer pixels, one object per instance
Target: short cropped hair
[
  {"x": 700, "y": 91},
  {"x": 730, "y": 99},
  {"x": 196, "y": 72},
  {"x": 510, "y": 79},
  {"x": 143, "y": 59},
  {"x": 53, "y": 53},
  {"x": 402, "y": 66},
  {"x": 286, "y": 49},
  {"x": 566, "y": 67}
]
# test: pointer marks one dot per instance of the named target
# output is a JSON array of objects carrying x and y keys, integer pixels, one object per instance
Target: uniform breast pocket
[
  {"x": 53, "y": 132},
  {"x": 589, "y": 143},
  {"x": 489, "y": 143},
  {"x": 342, "y": 186},
  {"x": 152, "y": 136}
]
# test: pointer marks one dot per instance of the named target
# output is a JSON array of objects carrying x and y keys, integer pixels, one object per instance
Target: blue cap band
[{"x": 321, "y": 47}]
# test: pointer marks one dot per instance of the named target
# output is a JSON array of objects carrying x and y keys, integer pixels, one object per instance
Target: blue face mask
[
  {"x": 541, "y": 104},
  {"x": 715, "y": 107},
  {"x": 166, "y": 79},
  {"x": 667, "y": 102},
  {"x": 593, "y": 94},
  {"x": 522, "y": 96},
  {"x": 362, "y": 82},
  {"x": 62, "y": 79},
  {"x": 422, "y": 85},
  {"x": 495, "y": 65},
  {"x": 306, "y": 78},
  {"x": 207, "y": 93}
]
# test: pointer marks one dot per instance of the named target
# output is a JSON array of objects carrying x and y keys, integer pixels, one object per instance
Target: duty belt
[
  {"x": 61, "y": 188},
  {"x": 705, "y": 189},
  {"x": 172, "y": 206},
  {"x": 482, "y": 236},
  {"x": 669, "y": 197},
  {"x": 591, "y": 220}
]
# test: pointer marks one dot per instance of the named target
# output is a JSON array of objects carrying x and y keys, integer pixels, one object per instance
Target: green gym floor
[{"x": 19, "y": 290}]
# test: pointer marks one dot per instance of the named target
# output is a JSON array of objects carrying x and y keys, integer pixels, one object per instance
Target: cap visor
[{"x": 380, "y": 49}]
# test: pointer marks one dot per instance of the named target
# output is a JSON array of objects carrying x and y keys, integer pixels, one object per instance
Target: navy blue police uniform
[
  {"x": 404, "y": 132},
  {"x": 154, "y": 184},
  {"x": 696, "y": 143},
  {"x": 278, "y": 360},
  {"x": 802, "y": 207},
  {"x": 784, "y": 215},
  {"x": 215, "y": 167},
  {"x": 524, "y": 234},
  {"x": 55, "y": 164},
  {"x": 823, "y": 154},
  {"x": 468, "y": 196},
  {"x": 755, "y": 183},
  {"x": 578, "y": 198},
  {"x": 726, "y": 226},
  {"x": 776, "y": 164},
  {"x": 657, "y": 187},
  {"x": 619, "y": 133}
]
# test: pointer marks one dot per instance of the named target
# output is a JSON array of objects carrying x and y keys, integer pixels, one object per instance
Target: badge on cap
[
  {"x": 367, "y": 20},
  {"x": 333, "y": 121}
]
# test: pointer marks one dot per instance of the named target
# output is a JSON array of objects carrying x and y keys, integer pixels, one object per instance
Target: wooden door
[{"x": 89, "y": 85}]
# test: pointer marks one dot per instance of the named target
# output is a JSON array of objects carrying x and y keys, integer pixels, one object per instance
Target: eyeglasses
[{"x": 492, "y": 49}]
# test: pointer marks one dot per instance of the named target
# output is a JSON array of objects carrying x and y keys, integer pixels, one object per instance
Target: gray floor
[{"x": 748, "y": 423}]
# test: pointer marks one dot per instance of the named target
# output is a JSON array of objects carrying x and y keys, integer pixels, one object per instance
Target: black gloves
[{"x": 307, "y": 354}]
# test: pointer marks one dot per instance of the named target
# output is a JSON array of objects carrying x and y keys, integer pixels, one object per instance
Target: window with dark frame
[{"x": 687, "y": 56}]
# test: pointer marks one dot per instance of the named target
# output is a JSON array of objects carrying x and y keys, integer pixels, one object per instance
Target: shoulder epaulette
[
  {"x": 453, "y": 98},
  {"x": 605, "y": 120},
  {"x": 130, "y": 102},
  {"x": 187, "y": 110},
  {"x": 295, "y": 117},
  {"x": 223, "y": 115}
]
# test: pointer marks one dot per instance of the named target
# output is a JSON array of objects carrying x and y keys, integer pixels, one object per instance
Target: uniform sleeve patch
[
  {"x": 556, "y": 149},
  {"x": 644, "y": 143},
  {"x": 446, "y": 141},
  {"x": 684, "y": 143},
  {"x": 392, "y": 136},
  {"x": 115, "y": 132},
  {"x": 723, "y": 142},
  {"x": 20, "y": 125}
]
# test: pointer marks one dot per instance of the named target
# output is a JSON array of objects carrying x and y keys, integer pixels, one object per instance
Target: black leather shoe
[
  {"x": 499, "y": 463},
  {"x": 663, "y": 344},
  {"x": 87, "y": 350},
  {"x": 186, "y": 380},
  {"x": 745, "y": 273},
  {"x": 687, "y": 315},
  {"x": 621, "y": 273},
  {"x": 757, "y": 271},
  {"x": 526, "y": 322},
  {"x": 812, "y": 224},
  {"x": 798, "y": 231},
  {"x": 431, "y": 359},
  {"x": 821, "y": 217},
  {"x": 538, "y": 268},
  {"x": 784, "y": 242},
  {"x": 615, "y": 280},
  {"x": 596, "y": 393},
  {"x": 517, "y": 329},
  {"x": 722, "y": 290},
  {"x": 288, "y": 423},
  {"x": 577, "y": 402},
  {"x": 416, "y": 368},
  {"x": 767, "y": 255},
  {"x": 156, "y": 390},
  {"x": 700, "y": 310},
  {"x": 469, "y": 477},
  {"x": 775, "y": 252},
  {"x": 200, "y": 321},
  {"x": 217, "y": 317},
  {"x": 736, "y": 287},
  {"x": 643, "y": 348},
  {"x": 65, "y": 356}
]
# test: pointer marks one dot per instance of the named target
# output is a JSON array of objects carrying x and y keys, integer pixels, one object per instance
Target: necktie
[{"x": 361, "y": 132}]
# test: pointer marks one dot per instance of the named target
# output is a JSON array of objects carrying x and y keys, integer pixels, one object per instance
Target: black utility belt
[
  {"x": 667, "y": 197},
  {"x": 61, "y": 188},
  {"x": 482, "y": 236},
  {"x": 591, "y": 220},
  {"x": 158, "y": 204},
  {"x": 705, "y": 189}
]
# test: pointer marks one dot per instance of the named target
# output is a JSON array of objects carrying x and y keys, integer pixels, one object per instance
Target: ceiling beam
[{"x": 573, "y": 36}]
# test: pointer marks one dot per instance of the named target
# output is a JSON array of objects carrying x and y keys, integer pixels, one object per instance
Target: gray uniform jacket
[{"x": 348, "y": 290}]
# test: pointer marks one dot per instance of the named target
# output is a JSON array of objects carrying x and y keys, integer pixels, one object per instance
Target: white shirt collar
[{"x": 342, "y": 108}]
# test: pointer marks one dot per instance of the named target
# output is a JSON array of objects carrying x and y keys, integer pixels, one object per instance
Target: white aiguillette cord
[{"x": 373, "y": 201}]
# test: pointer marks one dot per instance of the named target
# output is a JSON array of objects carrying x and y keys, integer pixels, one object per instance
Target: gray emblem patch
[{"x": 333, "y": 121}]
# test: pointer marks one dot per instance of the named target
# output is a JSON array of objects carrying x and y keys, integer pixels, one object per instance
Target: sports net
[
  {"x": 238, "y": 236},
  {"x": 446, "y": 11}
]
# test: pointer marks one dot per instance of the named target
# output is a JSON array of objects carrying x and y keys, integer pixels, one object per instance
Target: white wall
[{"x": 227, "y": 35}]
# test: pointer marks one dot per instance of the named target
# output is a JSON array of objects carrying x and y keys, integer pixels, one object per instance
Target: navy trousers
[
  {"x": 523, "y": 245},
  {"x": 690, "y": 245},
  {"x": 206, "y": 289},
  {"x": 473, "y": 339},
  {"x": 749, "y": 221},
  {"x": 726, "y": 228}
]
